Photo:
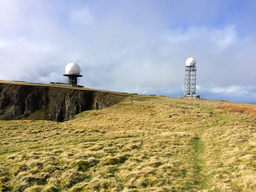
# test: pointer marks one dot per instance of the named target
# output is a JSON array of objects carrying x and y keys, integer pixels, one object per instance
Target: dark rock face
[{"x": 53, "y": 103}]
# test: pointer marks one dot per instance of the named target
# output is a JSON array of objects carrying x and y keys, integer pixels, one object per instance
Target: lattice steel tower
[{"x": 190, "y": 79}]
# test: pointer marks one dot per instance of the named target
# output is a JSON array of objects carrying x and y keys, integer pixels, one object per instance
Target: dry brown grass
[
  {"x": 144, "y": 143},
  {"x": 251, "y": 110}
]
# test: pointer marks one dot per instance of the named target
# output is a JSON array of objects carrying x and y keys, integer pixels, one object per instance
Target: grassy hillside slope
[{"x": 144, "y": 143}]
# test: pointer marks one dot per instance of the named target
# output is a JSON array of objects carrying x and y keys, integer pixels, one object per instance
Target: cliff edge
[{"x": 19, "y": 100}]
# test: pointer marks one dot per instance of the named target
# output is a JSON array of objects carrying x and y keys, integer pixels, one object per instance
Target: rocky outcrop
[{"x": 21, "y": 101}]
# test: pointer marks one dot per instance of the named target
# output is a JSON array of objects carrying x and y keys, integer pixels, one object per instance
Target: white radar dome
[
  {"x": 72, "y": 69},
  {"x": 190, "y": 62}
]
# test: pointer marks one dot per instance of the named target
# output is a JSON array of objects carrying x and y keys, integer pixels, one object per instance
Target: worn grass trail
[
  {"x": 198, "y": 177},
  {"x": 202, "y": 176},
  {"x": 201, "y": 181},
  {"x": 144, "y": 143}
]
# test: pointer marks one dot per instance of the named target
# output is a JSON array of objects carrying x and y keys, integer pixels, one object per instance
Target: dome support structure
[{"x": 72, "y": 79}]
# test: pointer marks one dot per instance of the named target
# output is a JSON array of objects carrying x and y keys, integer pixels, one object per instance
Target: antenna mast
[{"x": 190, "y": 79}]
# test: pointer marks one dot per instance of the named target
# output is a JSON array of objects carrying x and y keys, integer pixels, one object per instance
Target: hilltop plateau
[{"x": 140, "y": 143}]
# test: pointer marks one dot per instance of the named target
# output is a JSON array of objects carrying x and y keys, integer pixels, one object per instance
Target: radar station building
[
  {"x": 72, "y": 71},
  {"x": 190, "y": 79}
]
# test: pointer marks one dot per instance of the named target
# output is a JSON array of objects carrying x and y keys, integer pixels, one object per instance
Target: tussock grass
[{"x": 144, "y": 143}]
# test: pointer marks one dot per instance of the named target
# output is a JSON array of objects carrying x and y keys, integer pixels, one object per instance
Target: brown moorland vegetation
[
  {"x": 250, "y": 110},
  {"x": 144, "y": 143}
]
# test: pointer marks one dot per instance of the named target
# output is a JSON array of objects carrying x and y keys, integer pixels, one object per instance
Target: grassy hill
[{"x": 144, "y": 143}]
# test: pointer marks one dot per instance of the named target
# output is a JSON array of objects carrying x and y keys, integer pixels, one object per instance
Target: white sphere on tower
[
  {"x": 72, "y": 69},
  {"x": 190, "y": 62}
]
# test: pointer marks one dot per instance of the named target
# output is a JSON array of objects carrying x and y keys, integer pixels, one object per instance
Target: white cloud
[
  {"x": 81, "y": 16},
  {"x": 225, "y": 37},
  {"x": 9, "y": 13},
  {"x": 3, "y": 43},
  {"x": 234, "y": 89},
  {"x": 232, "y": 92}
]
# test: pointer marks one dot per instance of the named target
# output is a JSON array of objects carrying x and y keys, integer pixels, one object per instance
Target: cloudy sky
[{"x": 133, "y": 45}]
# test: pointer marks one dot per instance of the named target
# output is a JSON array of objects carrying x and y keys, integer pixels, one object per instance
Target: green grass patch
[
  {"x": 199, "y": 180},
  {"x": 38, "y": 115}
]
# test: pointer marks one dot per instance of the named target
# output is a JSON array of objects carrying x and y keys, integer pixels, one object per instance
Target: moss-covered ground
[{"x": 144, "y": 143}]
